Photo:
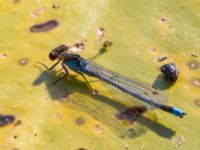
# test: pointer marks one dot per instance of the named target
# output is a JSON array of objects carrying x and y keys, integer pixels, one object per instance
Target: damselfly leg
[
  {"x": 66, "y": 74},
  {"x": 88, "y": 84},
  {"x": 102, "y": 50},
  {"x": 45, "y": 66}
]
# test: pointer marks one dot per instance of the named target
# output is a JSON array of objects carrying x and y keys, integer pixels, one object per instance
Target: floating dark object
[
  {"x": 170, "y": 71},
  {"x": 6, "y": 120},
  {"x": 45, "y": 26}
]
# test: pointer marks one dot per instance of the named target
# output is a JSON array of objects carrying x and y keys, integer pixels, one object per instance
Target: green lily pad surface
[{"x": 66, "y": 115}]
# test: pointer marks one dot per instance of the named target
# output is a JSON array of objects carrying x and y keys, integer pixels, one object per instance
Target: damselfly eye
[{"x": 53, "y": 55}]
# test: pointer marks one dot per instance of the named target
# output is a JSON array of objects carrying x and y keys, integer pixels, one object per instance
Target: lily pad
[{"x": 140, "y": 31}]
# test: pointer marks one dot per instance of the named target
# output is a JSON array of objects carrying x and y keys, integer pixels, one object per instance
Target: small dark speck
[
  {"x": 196, "y": 82},
  {"x": 164, "y": 19},
  {"x": 45, "y": 26},
  {"x": 15, "y": 137},
  {"x": 80, "y": 121},
  {"x": 17, "y": 123},
  {"x": 55, "y": 6},
  {"x": 194, "y": 65},
  {"x": 162, "y": 58},
  {"x": 6, "y": 120},
  {"x": 23, "y": 61},
  {"x": 197, "y": 102},
  {"x": 154, "y": 49},
  {"x": 35, "y": 134},
  {"x": 107, "y": 44},
  {"x": 15, "y": 149},
  {"x": 81, "y": 148}
]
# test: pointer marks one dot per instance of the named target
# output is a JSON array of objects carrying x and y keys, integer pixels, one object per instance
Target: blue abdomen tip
[{"x": 178, "y": 112}]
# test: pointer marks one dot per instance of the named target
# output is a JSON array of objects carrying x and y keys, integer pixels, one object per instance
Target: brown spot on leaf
[
  {"x": 107, "y": 44},
  {"x": 3, "y": 56},
  {"x": 16, "y": 1},
  {"x": 45, "y": 26},
  {"x": 193, "y": 54},
  {"x": 196, "y": 82},
  {"x": 77, "y": 47},
  {"x": 23, "y": 61},
  {"x": 193, "y": 65},
  {"x": 164, "y": 19},
  {"x": 162, "y": 58},
  {"x": 80, "y": 121},
  {"x": 197, "y": 102},
  {"x": 99, "y": 129},
  {"x": 100, "y": 32},
  {"x": 81, "y": 148},
  {"x": 37, "y": 12},
  {"x": 155, "y": 92},
  {"x": 55, "y": 6},
  {"x": 15, "y": 137}
]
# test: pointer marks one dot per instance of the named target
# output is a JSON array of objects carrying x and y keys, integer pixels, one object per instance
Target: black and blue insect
[{"x": 82, "y": 66}]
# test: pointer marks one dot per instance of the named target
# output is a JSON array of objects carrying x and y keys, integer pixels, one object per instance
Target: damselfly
[{"x": 132, "y": 87}]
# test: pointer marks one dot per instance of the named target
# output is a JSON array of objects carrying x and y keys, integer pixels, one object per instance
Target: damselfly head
[{"x": 55, "y": 53}]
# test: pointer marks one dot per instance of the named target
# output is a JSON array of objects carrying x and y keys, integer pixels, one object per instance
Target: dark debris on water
[
  {"x": 170, "y": 71},
  {"x": 6, "y": 120}
]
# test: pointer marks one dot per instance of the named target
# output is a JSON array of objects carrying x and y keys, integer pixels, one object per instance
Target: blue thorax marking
[{"x": 73, "y": 65}]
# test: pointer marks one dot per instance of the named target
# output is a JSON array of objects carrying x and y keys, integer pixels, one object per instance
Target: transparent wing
[
  {"x": 143, "y": 90},
  {"x": 106, "y": 114}
]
